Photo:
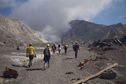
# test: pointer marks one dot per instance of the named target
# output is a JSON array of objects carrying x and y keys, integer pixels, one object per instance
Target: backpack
[
  {"x": 46, "y": 52},
  {"x": 74, "y": 48}
]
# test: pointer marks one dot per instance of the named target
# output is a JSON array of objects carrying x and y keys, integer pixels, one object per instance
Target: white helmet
[{"x": 48, "y": 45}]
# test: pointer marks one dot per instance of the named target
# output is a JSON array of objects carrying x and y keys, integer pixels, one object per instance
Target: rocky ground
[
  {"x": 118, "y": 54},
  {"x": 64, "y": 68}
]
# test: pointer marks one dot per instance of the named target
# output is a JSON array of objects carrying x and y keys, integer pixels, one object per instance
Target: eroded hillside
[{"x": 14, "y": 31}]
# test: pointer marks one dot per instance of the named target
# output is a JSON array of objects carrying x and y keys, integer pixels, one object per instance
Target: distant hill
[
  {"x": 15, "y": 32},
  {"x": 116, "y": 31},
  {"x": 87, "y": 31}
]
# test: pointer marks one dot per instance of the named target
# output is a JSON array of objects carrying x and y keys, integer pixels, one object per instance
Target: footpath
[{"x": 63, "y": 69}]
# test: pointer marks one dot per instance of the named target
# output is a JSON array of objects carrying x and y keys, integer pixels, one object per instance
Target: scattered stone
[
  {"x": 74, "y": 79},
  {"x": 69, "y": 73},
  {"x": 18, "y": 48}
]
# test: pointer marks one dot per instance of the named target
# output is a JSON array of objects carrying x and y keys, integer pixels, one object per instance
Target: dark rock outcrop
[{"x": 86, "y": 31}]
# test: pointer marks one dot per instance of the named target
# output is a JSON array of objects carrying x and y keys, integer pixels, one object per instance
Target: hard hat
[{"x": 48, "y": 45}]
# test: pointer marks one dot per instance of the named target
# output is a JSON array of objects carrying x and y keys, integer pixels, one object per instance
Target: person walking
[
  {"x": 76, "y": 48},
  {"x": 59, "y": 48},
  {"x": 53, "y": 48},
  {"x": 31, "y": 53},
  {"x": 65, "y": 48},
  {"x": 47, "y": 55}
]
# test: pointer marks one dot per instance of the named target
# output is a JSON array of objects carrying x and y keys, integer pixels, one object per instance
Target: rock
[
  {"x": 69, "y": 73},
  {"x": 108, "y": 75},
  {"x": 10, "y": 73}
]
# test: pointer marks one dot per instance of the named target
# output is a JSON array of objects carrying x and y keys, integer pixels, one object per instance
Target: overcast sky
[{"x": 51, "y": 17}]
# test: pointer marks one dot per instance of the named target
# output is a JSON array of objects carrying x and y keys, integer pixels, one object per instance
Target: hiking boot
[{"x": 29, "y": 66}]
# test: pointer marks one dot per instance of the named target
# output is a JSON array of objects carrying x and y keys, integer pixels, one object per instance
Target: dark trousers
[
  {"x": 65, "y": 51},
  {"x": 46, "y": 60},
  {"x": 30, "y": 60},
  {"x": 76, "y": 53}
]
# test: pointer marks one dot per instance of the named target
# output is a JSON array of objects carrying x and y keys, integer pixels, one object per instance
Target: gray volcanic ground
[{"x": 62, "y": 64}]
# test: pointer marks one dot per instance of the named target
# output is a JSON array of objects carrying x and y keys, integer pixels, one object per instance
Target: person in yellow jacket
[{"x": 31, "y": 53}]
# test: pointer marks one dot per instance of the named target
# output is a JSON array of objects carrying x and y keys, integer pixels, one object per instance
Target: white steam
[{"x": 51, "y": 17}]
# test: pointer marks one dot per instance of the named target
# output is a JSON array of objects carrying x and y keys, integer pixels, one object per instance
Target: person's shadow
[
  {"x": 34, "y": 69},
  {"x": 68, "y": 58},
  {"x": 19, "y": 66}
]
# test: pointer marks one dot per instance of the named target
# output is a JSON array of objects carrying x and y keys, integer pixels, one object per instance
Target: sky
[
  {"x": 115, "y": 13},
  {"x": 51, "y": 17},
  {"x": 7, "y": 6}
]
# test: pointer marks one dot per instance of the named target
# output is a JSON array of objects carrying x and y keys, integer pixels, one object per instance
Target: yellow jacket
[{"x": 30, "y": 51}]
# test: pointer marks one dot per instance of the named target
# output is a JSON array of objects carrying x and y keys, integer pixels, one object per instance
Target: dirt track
[
  {"x": 63, "y": 69},
  {"x": 56, "y": 74}
]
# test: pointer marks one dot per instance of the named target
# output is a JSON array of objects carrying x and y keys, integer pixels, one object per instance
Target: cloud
[
  {"x": 51, "y": 17},
  {"x": 11, "y": 3},
  {"x": 7, "y": 3}
]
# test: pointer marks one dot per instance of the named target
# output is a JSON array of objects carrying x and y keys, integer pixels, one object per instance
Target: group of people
[
  {"x": 31, "y": 52},
  {"x": 59, "y": 48}
]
